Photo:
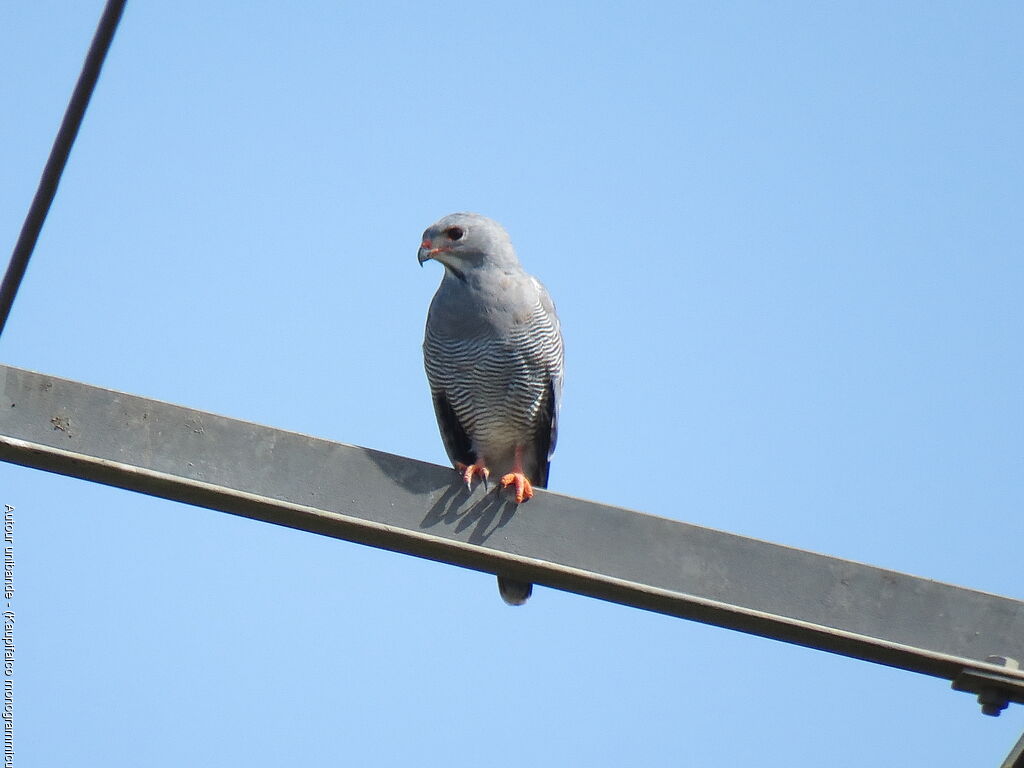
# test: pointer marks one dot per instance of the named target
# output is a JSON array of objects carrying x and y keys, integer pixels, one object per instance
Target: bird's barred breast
[{"x": 496, "y": 385}]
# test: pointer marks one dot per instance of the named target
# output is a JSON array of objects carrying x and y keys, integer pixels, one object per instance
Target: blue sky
[{"x": 785, "y": 241}]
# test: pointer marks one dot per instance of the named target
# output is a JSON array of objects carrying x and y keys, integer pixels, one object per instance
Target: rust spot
[{"x": 62, "y": 424}]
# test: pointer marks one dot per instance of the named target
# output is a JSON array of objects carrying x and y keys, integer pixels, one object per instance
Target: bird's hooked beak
[{"x": 428, "y": 251}]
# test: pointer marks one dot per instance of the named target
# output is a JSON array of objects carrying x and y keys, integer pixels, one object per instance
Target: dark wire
[{"x": 59, "y": 155}]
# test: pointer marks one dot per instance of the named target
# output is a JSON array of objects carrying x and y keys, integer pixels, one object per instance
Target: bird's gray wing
[
  {"x": 456, "y": 442},
  {"x": 546, "y": 433}
]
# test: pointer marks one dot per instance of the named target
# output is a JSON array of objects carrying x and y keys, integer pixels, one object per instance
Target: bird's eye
[{"x": 454, "y": 233}]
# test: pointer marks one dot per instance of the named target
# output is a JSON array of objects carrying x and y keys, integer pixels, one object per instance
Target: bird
[{"x": 493, "y": 353}]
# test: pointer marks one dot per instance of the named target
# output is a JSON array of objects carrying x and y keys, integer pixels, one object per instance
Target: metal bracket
[
  {"x": 995, "y": 691},
  {"x": 1016, "y": 757}
]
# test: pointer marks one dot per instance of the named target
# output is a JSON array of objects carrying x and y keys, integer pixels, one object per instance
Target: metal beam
[
  {"x": 1016, "y": 757},
  {"x": 580, "y": 546}
]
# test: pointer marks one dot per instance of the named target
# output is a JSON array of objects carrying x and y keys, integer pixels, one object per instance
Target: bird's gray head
[{"x": 467, "y": 241}]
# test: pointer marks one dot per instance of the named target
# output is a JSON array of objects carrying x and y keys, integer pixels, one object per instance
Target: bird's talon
[
  {"x": 519, "y": 482},
  {"x": 469, "y": 471}
]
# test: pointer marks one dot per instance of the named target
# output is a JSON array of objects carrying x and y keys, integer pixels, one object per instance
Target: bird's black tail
[
  {"x": 514, "y": 592},
  {"x": 518, "y": 592}
]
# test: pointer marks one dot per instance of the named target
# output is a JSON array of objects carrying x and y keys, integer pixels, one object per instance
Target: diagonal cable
[{"x": 59, "y": 155}]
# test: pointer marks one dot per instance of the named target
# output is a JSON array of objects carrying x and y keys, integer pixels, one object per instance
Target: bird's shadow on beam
[
  {"x": 485, "y": 516},
  {"x": 455, "y": 507}
]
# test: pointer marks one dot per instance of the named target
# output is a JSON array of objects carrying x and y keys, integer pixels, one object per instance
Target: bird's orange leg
[
  {"x": 518, "y": 480},
  {"x": 469, "y": 471}
]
